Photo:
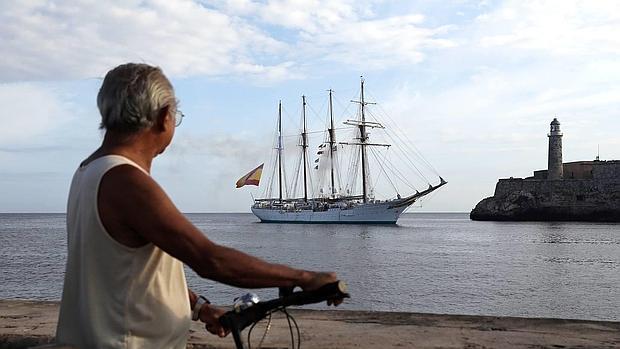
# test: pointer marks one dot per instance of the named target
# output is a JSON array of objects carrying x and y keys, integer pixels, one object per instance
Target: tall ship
[{"x": 338, "y": 186}]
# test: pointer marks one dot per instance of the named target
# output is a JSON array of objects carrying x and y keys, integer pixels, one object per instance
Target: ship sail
[{"x": 341, "y": 197}]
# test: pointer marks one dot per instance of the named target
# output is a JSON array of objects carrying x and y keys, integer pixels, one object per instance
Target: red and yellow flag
[{"x": 252, "y": 178}]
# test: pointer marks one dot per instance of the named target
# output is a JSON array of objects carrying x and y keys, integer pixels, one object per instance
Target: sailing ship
[{"x": 356, "y": 203}]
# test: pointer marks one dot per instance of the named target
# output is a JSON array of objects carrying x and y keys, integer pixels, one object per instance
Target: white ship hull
[{"x": 369, "y": 213}]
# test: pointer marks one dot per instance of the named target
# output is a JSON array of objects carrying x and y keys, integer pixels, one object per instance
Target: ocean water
[{"x": 435, "y": 263}]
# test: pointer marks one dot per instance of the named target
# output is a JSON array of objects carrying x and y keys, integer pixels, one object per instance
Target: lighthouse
[{"x": 555, "y": 169}]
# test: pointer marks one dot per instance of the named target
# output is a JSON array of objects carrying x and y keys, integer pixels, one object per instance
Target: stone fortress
[{"x": 573, "y": 191}]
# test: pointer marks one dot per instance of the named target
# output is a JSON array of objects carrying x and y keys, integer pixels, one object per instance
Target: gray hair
[{"x": 132, "y": 95}]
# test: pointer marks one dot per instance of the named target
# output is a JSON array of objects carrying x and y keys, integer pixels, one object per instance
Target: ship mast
[
  {"x": 332, "y": 141},
  {"x": 363, "y": 138},
  {"x": 304, "y": 147},
  {"x": 280, "y": 148}
]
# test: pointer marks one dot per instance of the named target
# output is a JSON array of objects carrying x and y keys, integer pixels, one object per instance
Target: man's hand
[
  {"x": 320, "y": 279},
  {"x": 210, "y": 315}
]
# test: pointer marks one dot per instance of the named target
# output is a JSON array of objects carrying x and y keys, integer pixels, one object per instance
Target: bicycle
[{"x": 248, "y": 310}]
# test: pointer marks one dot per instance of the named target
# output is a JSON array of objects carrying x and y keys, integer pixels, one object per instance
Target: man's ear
[{"x": 160, "y": 121}]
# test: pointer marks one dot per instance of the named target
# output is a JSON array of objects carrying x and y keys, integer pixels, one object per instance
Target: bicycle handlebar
[{"x": 237, "y": 321}]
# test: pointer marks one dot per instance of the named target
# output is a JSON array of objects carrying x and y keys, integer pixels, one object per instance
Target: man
[{"x": 127, "y": 242}]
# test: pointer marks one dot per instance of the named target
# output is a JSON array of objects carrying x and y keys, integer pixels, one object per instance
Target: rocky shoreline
[
  {"x": 526, "y": 206},
  {"x": 29, "y": 323},
  {"x": 531, "y": 199}
]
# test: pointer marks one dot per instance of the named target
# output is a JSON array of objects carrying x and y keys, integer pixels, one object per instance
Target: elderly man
[{"x": 127, "y": 242}]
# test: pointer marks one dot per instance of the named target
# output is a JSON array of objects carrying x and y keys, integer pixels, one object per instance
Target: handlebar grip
[
  {"x": 334, "y": 290},
  {"x": 237, "y": 321}
]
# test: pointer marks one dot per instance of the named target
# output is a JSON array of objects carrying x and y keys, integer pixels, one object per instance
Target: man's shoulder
[{"x": 127, "y": 177}]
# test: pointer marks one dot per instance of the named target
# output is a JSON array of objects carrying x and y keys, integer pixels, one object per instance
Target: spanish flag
[{"x": 252, "y": 178}]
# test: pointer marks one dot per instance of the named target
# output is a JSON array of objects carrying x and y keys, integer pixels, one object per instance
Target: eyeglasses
[{"x": 178, "y": 118}]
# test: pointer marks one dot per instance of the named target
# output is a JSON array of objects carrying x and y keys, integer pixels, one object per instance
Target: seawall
[{"x": 30, "y": 323}]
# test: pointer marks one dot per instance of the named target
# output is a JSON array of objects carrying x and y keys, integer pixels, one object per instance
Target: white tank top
[{"x": 116, "y": 296}]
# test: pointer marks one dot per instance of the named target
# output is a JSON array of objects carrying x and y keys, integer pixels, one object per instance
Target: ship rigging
[{"x": 356, "y": 202}]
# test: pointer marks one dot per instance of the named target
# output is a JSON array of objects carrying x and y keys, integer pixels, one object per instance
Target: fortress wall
[
  {"x": 506, "y": 186},
  {"x": 607, "y": 170},
  {"x": 578, "y": 170},
  {"x": 586, "y": 170},
  {"x": 567, "y": 191},
  {"x": 542, "y": 187},
  {"x": 540, "y": 174}
]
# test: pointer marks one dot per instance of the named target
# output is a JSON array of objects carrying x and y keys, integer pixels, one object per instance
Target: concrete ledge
[{"x": 25, "y": 324}]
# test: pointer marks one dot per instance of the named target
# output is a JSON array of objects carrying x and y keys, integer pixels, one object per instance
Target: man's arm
[{"x": 134, "y": 200}]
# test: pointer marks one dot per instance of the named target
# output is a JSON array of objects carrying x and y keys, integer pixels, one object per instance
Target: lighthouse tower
[{"x": 555, "y": 169}]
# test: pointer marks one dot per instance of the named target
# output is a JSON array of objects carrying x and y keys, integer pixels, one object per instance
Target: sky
[{"x": 473, "y": 85}]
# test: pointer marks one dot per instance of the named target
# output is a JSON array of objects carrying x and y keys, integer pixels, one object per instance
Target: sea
[{"x": 429, "y": 262}]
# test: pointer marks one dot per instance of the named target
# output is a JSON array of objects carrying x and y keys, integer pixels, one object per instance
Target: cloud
[
  {"x": 347, "y": 32},
  {"x": 297, "y": 15},
  {"x": 520, "y": 64},
  {"x": 29, "y": 111},
  {"x": 376, "y": 44},
  {"x": 561, "y": 27},
  {"x": 503, "y": 110},
  {"x": 242, "y": 146},
  {"x": 267, "y": 41},
  {"x": 77, "y": 39}
]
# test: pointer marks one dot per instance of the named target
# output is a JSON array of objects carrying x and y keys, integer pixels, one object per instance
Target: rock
[
  {"x": 519, "y": 199},
  {"x": 519, "y": 205}
]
